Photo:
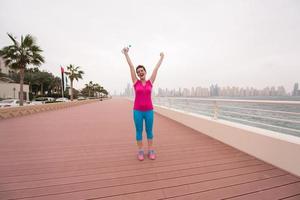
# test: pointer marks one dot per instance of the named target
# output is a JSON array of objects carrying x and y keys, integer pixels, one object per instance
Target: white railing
[{"x": 279, "y": 116}]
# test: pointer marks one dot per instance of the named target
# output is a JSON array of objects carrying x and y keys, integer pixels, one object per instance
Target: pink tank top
[{"x": 142, "y": 101}]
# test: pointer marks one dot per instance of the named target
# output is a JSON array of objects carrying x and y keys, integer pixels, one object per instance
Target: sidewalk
[{"x": 89, "y": 152}]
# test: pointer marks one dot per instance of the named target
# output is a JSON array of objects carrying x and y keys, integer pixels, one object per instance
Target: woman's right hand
[
  {"x": 162, "y": 55},
  {"x": 125, "y": 50}
]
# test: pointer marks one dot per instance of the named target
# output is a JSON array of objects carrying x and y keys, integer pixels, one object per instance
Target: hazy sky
[{"x": 253, "y": 43}]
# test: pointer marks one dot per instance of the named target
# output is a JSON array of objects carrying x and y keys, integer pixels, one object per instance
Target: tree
[
  {"x": 97, "y": 89},
  {"x": 20, "y": 55},
  {"x": 104, "y": 91},
  {"x": 39, "y": 82},
  {"x": 73, "y": 73},
  {"x": 55, "y": 86},
  {"x": 90, "y": 88},
  {"x": 100, "y": 90}
]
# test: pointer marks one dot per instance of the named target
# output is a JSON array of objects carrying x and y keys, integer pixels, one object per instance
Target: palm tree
[
  {"x": 90, "y": 87},
  {"x": 73, "y": 73},
  {"x": 20, "y": 55},
  {"x": 98, "y": 89}
]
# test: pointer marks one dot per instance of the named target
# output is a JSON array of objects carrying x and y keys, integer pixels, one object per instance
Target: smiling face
[{"x": 141, "y": 72}]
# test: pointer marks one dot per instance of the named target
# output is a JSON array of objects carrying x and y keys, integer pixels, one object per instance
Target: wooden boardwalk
[{"x": 89, "y": 152}]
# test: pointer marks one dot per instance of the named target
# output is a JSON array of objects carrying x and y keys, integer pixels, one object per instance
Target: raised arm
[
  {"x": 154, "y": 73},
  {"x": 131, "y": 66}
]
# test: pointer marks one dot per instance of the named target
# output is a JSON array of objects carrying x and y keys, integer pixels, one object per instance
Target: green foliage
[
  {"x": 21, "y": 54},
  {"x": 73, "y": 73},
  {"x": 93, "y": 90},
  {"x": 40, "y": 83}
]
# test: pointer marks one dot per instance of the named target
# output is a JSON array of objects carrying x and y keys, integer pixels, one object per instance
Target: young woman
[{"x": 143, "y": 108}]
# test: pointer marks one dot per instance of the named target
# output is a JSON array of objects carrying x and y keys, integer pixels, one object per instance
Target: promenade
[{"x": 89, "y": 152}]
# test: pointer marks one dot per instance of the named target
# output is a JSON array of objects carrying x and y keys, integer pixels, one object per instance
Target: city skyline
[{"x": 215, "y": 90}]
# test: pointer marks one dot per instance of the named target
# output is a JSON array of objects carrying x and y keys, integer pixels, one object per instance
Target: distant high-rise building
[
  {"x": 281, "y": 91},
  {"x": 128, "y": 91},
  {"x": 296, "y": 91},
  {"x": 186, "y": 92},
  {"x": 215, "y": 90}
]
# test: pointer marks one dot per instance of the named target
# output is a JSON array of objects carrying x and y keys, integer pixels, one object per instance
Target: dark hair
[{"x": 140, "y": 66}]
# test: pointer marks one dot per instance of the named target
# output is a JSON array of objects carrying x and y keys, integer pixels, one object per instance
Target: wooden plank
[
  {"x": 130, "y": 178},
  {"x": 278, "y": 192},
  {"x": 95, "y": 157},
  {"x": 224, "y": 191}
]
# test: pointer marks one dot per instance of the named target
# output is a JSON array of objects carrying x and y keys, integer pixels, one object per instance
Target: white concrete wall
[
  {"x": 7, "y": 90},
  {"x": 3, "y": 68},
  {"x": 281, "y": 150}
]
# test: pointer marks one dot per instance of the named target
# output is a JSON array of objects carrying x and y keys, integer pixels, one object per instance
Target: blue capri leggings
[{"x": 139, "y": 117}]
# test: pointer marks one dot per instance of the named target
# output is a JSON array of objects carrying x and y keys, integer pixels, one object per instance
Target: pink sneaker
[
  {"x": 140, "y": 155},
  {"x": 151, "y": 154}
]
